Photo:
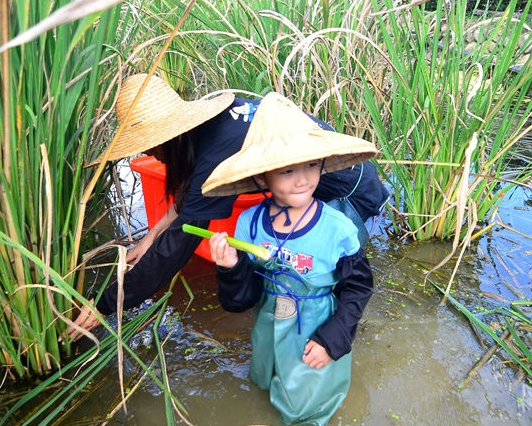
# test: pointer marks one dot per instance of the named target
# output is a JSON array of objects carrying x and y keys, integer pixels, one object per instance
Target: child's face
[{"x": 293, "y": 185}]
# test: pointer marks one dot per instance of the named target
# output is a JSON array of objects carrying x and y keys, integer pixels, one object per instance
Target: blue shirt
[{"x": 314, "y": 249}]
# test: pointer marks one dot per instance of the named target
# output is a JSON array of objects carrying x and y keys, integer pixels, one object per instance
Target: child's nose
[{"x": 301, "y": 177}]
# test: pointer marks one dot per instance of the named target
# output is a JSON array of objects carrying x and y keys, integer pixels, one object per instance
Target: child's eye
[
  {"x": 312, "y": 165},
  {"x": 286, "y": 171}
]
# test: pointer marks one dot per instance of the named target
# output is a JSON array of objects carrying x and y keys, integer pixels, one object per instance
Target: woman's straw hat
[
  {"x": 281, "y": 135},
  {"x": 159, "y": 115}
]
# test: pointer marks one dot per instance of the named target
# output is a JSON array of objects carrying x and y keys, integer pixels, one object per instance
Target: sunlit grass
[{"x": 453, "y": 118}]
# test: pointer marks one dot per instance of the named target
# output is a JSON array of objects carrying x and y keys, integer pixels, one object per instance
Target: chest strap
[{"x": 289, "y": 293}]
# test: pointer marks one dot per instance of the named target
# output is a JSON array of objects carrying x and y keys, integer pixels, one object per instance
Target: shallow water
[{"x": 410, "y": 356}]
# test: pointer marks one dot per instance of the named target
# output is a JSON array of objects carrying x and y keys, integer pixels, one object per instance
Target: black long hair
[{"x": 179, "y": 160}]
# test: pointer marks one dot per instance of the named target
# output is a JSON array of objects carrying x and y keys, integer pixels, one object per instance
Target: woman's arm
[
  {"x": 353, "y": 291},
  {"x": 134, "y": 254}
]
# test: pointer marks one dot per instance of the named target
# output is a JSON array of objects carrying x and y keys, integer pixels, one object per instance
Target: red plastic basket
[{"x": 153, "y": 177}]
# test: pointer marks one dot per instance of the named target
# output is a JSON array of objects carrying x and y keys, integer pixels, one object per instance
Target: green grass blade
[{"x": 486, "y": 329}]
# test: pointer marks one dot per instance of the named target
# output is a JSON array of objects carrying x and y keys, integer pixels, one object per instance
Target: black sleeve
[
  {"x": 353, "y": 291},
  {"x": 238, "y": 287},
  {"x": 155, "y": 270}
]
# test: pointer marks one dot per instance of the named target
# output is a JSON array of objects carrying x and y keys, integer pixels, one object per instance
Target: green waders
[{"x": 287, "y": 315}]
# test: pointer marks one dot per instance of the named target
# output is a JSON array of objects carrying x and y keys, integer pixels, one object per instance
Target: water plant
[
  {"x": 443, "y": 92},
  {"x": 55, "y": 91},
  {"x": 511, "y": 337},
  {"x": 455, "y": 112}
]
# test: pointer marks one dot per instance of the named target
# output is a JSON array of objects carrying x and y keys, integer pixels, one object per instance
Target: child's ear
[{"x": 260, "y": 179}]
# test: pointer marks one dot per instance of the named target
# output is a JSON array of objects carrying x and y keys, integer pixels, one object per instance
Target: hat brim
[
  {"x": 281, "y": 135},
  {"x": 159, "y": 116},
  {"x": 341, "y": 151}
]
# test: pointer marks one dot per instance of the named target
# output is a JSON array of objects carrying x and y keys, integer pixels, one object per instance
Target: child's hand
[
  {"x": 315, "y": 355},
  {"x": 221, "y": 252}
]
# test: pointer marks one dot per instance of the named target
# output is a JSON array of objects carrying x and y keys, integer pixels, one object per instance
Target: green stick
[{"x": 258, "y": 251}]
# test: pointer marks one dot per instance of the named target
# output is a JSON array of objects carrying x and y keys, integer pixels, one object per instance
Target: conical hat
[
  {"x": 159, "y": 115},
  {"x": 281, "y": 135}
]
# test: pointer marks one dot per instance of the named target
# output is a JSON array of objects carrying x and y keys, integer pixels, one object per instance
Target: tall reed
[
  {"x": 454, "y": 113},
  {"x": 404, "y": 77},
  {"x": 316, "y": 53},
  {"x": 55, "y": 90}
]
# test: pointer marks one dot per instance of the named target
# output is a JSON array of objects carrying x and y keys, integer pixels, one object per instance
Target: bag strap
[{"x": 356, "y": 185}]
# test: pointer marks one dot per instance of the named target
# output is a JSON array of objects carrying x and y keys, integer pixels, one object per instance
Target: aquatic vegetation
[
  {"x": 55, "y": 89},
  {"x": 81, "y": 371},
  {"x": 54, "y": 94},
  {"x": 447, "y": 115},
  {"x": 453, "y": 115},
  {"x": 511, "y": 338}
]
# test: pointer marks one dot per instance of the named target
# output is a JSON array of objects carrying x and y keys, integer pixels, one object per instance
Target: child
[{"x": 310, "y": 295}]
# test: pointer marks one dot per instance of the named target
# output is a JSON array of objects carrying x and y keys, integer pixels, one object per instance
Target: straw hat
[
  {"x": 159, "y": 115},
  {"x": 281, "y": 135}
]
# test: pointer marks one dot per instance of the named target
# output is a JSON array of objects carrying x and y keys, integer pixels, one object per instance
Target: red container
[{"x": 153, "y": 178}]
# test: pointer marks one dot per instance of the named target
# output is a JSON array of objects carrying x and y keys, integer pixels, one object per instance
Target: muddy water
[{"x": 411, "y": 354}]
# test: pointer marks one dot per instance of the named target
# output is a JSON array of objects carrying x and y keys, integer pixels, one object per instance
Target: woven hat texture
[
  {"x": 159, "y": 115},
  {"x": 281, "y": 135}
]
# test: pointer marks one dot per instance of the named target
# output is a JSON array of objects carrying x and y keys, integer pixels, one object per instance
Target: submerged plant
[{"x": 511, "y": 338}]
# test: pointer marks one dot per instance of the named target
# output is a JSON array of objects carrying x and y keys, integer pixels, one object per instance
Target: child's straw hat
[
  {"x": 159, "y": 115},
  {"x": 281, "y": 135}
]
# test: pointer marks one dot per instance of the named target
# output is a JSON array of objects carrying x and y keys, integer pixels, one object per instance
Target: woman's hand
[
  {"x": 222, "y": 254},
  {"x": 86, "y": 319},
  {"x": 134, "y": 254},
  {"x": 315, "y": 355}
]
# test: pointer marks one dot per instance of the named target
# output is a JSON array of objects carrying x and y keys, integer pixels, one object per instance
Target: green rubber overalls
[{"x": 289, "y": 312}]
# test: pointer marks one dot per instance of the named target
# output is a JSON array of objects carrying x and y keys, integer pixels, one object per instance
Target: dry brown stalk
[{"x": 483, "y": 360}]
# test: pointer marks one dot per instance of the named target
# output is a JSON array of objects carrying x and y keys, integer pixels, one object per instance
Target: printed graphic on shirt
[
  {"x": 245, "y": 112},
  {"x": 301, "y": 262}
]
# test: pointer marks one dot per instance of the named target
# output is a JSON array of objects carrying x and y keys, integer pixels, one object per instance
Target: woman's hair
[{"x": 179, "y": 160}]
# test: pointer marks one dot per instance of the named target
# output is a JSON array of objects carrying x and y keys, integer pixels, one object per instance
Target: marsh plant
[
  {"x": 54, "y": 93},
  {"x": 443, "y": 92},
  {"x": 59, "y": 71},
  {"x": 458, "y": 105}
]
